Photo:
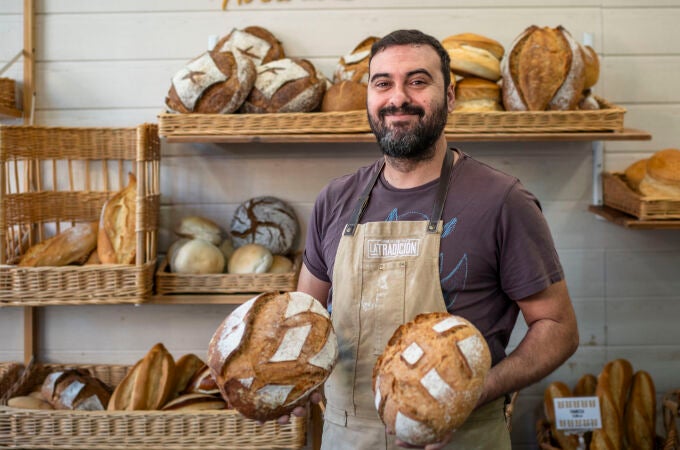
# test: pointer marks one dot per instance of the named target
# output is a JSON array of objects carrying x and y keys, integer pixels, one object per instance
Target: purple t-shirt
[{"x": 496, "y": 246}]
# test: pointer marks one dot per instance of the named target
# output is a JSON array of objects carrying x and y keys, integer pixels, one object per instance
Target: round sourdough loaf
[
  {"x": 354, "y": 65},
  {"x": 212, "y": 83},
  {"x": 75, "y": 389},
  {"x": 250, "y": 258},
  {"x": 344, "y": 96},
  {"x": 285, "y": 85},
  {"x": 271, "y": 352},
  {"x": 196, "y": 256},
  {"x": 477, "y": 94},
  {"x": 268, "y": 221},
  {"x": 255, "y": 43},
  {"x": 430, "y": 376}
]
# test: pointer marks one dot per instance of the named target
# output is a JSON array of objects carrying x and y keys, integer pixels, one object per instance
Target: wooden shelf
[
  {"x": 200, "y": 299},
  {"x": 628, "y": 221},
  {"x": 627, "y": 134},
  {"x": 11, "y": 112}
]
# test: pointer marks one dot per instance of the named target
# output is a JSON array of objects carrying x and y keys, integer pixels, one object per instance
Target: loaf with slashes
[
  {"x": 271, "y": 352},
  {"x": 430, "y": 376}
]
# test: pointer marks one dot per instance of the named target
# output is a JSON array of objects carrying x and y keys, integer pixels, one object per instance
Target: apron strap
[
  {"x": 363, "y": 200},
  {"x": 444, "y": 182}
]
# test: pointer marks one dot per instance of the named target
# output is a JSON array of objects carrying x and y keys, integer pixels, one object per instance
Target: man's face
[{"x": 407, "y": 103}]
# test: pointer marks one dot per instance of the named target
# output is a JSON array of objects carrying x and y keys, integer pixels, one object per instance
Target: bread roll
[
  {"x": 640, "y": 413},
  {"x": 444, "y": 354},
  {"x": 477, "y": 41},
  {"x": 477, "y": 94},
  {"x": 592, "y": 66},
  {"x": 557, "y": 389},
  {"x": 271, "y": 352},
  {"x": 28, "y": 402},
  {"x": 635, "y": 173},
  {"x": 196, "y": 227},
  {"x": 354, "y": 66},
  {"x": 148, "y": 385},
  {"x": 75, "y": 389},
  {"x": 346, "y": 95},
  {"x": 280, "y": 264},
  {"x": 256, "y": 43},
  {"x": 197, "y": 256},
  {"x": 474, "y": 55},
  {"x": 72, "y": 246},
  {"x": 195, "y": 402},
  {"x": 202, "y": 382},
  {"x": 586, "y": 386},
  {"x": 268, "y": 221},
  {"x": 185, "y": 369},
  {"x": 227, "y": 249},
  {"x": 285, "y": 85},
  {"x": 662, "y": 178},
  {"x": 588, "y": 102},
  {"x": 117, "y": 239},
  {"x": 213, "y": 83},
  {"x": 250, "y": 258}
]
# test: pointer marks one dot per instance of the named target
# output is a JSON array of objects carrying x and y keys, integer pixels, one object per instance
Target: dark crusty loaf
[
  {"x": 268, "y": 221},
  {"x": 256, "y": 43},
  {"x": 430, "y": 376},
  {"x": 271, "y": 352},
  {"x": 75, "y": 389}
]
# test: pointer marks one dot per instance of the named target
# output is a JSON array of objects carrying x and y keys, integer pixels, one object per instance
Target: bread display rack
[
  {"x": 169, "y": 430},
  {"x": 53, "y": 178}
]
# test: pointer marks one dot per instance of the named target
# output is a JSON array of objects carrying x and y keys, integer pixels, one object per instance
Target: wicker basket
[
  {"x": 55, "y": 177},
  {"x": 618, "y": 195},
  {"x": 7, "y": 93},
  {"x": 225, "y": 283},
  {"x": 9, "y": 374},
  {"x": 140, "y": 430},
  {"x": 671, "y": 414},
  {"x": 608, "y": 118}
]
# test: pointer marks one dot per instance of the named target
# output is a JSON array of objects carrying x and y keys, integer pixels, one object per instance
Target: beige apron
[{"x": 385, "y": 274}]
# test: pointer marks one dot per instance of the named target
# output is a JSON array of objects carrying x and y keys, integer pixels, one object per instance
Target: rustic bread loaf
[
  {"x": 592, "y": 66},
  {"x": 544, "y": 70},
  {"x": 197, "y": 227},
  {"x": 429, "y": 378},
  {"x": 75, "y": 389},
  {"x": 212, "y": 83},
  {"x": 477, "y": 94},
  {"x": 346, "y": 95},
  {"x": 117, "y": 237},
  {"x": 611, "y": 415},
  {"x": 640, "y": 413},
  {"x": 196, "y": 256},
  {"x": 72, "y": 246},
  {"x": 285, "y": 85},
  {"x": 148, "y": 384},
  {"x": 474, "y": 55},
  {"x": 28, "y": 402},
  {"x": 354, "y": 65},
  {"x": 280, "y": 264},
  {"x": 202, "y": 382},
  {"x": 557, "y": 389},
  {"x": 586, "y": 386},
  {"x": 635, "y": 173},
  {"x": 250, "y": 258},
  {"x": 662, "y": 178},
  {"x": 256, "y": 43},
  {"x": 271, "y": 352},
  {"x": 195, "y": 402},
  {"x": 268, "y": 221},
  {"x": 619, "y": 374},
  {"x": 185, "y": 369}
]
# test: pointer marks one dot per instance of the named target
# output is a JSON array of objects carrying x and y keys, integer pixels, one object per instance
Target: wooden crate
[{"x": 52, "y": 178}]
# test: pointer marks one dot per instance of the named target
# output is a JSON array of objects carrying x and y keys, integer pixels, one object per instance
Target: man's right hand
[{"x": 301, "y": 411}]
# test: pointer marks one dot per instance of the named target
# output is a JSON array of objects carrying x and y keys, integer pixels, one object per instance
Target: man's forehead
[{"x": 424, "y": 57}]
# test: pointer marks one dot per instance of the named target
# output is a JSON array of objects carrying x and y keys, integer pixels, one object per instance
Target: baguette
[
  {"x": 586, "y": 386},
  {"x": 558, "y": 389},
  {"x": 620, "y": 376},
  {"x": 640, "y": 413},
  {"x": 195, "y": 402},
  {"x": 71, "y": 246},
  {"x": 117, "y": 239},
  {"x": 612, "y": 422},
  {"x": 185, "y": 368}
]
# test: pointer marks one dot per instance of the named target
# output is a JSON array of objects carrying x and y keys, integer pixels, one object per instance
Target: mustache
[{"x": 405, "y": 109}]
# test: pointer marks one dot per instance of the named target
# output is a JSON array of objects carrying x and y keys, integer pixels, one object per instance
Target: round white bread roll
[
  {"x": 197, "y": 256},
  {"x": 430, "y": 376},
  {"x": 172, "y": 251},
  {"x": 281, "y": 264},
  {"x": 227, "y": 248},
  {"x": 250, "y": 258},
  {"x": 197, "y": 227},
  {"x": 474, "y": 55},
  {"x": 271, "y": 352},
  {"x": 477, "y": 94},
  {"x": 267, "y": 221},
  {"x": 662, "y": 178}
]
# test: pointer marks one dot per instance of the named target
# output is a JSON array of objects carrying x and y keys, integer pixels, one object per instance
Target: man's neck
[{"x": 406, "y": 174}]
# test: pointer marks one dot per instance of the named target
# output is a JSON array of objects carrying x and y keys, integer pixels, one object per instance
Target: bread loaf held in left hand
[
  {"x": 117, "y": 240},
  {"x": 271, "y": 352}
]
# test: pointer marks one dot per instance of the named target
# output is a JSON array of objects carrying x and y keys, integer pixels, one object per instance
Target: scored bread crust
[
  {"x": 117, "y": 239},
  {"x": 72, "y": 245},
  {"x": 273, "y": 47},
  {"x": 354, "y": 66}
]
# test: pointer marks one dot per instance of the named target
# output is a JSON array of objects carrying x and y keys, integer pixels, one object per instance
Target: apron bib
[{"x": 385, "y": 274}]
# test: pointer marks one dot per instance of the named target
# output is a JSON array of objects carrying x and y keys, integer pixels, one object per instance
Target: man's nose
[{"x": 399, "y": 96}]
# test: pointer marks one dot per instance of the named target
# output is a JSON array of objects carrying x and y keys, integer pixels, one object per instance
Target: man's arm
[
  {"x": 551, "y": 339},
  {"x": 311, "y": 285}
]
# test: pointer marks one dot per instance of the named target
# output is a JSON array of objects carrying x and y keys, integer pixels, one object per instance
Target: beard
[{"x": 414, "y": 142}]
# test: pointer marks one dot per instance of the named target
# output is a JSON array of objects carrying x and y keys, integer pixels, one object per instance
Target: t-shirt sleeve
[
  {"x": 528, "y": 259},
  {"x": 313, "y": 255}
]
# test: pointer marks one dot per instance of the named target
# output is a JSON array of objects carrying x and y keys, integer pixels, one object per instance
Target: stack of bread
[
  {"x": 203, "y": 247},
  {"x": 112, "y": 240},
  {"x": 350, "y": 79},
  {"x": 627, "y": 405},
  {"x": 657, "y": 176},
  {"x": 547, "y": 69},
  {"x": 477, "y": 60}
]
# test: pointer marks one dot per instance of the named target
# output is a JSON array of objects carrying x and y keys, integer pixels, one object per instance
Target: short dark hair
[{"x": 409, "y": 37}]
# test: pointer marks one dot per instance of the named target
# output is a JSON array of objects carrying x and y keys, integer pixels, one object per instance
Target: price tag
[{"x": 577, "y": 414}]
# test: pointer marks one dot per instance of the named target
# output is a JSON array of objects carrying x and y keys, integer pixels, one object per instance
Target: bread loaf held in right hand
[{"x": 430, "y": 376}]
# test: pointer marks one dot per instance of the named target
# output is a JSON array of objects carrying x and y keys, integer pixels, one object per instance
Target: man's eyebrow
[{"x": 409, "y": 74}]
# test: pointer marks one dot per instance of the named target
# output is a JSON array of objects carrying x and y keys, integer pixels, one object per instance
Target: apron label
[{"x": 392, "y": 248}]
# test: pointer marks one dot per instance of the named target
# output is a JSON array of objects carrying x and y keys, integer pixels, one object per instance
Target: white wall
[{"x": 108, "y": 63}]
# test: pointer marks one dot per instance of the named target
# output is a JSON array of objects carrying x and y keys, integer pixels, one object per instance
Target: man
[{"x": 472, "y": 241}]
